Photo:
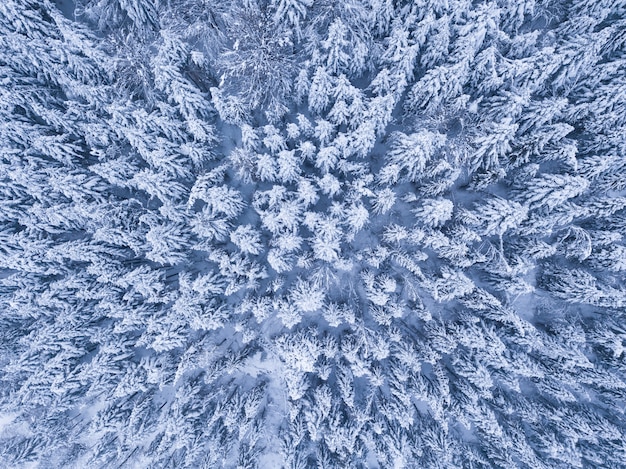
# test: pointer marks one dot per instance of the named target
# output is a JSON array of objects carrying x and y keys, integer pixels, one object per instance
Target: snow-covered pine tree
[{"x": 259, "y": 233}]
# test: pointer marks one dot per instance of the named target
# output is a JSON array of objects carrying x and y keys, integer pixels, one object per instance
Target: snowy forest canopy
[{"x": 312, "y": 234}]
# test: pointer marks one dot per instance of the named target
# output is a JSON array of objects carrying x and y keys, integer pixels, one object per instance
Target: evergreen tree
[{"x": 296, "y": 233}]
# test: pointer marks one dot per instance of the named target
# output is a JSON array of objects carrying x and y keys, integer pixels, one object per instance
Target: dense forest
[{"x": 312, "y": 234}]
